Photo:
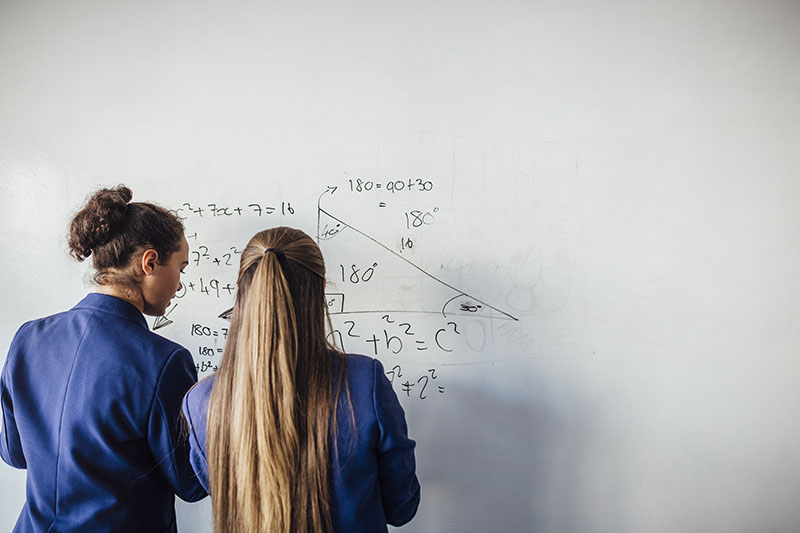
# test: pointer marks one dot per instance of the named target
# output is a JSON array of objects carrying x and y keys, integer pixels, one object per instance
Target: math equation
[{"x": 384, "y": 301}]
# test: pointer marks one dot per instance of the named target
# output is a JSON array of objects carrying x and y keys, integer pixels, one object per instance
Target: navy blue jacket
[
  {"x": 374, "y": 481},
  {"x": 91, "y": 407}
]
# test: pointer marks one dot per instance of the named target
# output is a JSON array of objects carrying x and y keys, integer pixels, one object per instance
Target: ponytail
[{"x": 270, "y": 408}]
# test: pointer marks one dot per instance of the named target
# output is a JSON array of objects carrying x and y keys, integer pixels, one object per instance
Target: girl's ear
[{"x": 149, "y": 260}]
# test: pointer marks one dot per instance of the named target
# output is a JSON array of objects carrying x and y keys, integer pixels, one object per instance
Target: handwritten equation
[
  {"x": 397, "y": 336},
  {"x": 415, "y": 337},
  {"x": 213, "y": 210}
]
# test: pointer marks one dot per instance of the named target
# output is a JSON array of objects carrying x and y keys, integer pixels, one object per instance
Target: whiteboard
[{"x": 568, "y": 229}]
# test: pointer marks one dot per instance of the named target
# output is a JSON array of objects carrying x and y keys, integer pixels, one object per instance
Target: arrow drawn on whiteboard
[
  {"x": 163, "y": 321},
  {"x": 226, "y": 315}
]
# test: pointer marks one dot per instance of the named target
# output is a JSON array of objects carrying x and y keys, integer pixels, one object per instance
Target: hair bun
[{"x": 99, "y": 220}]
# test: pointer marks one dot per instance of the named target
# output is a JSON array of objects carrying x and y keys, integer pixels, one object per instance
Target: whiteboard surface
[{"x": 585, "y": 235}]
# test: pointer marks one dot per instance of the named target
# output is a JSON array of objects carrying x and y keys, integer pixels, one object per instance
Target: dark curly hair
[{"x": 112, "y": 230}]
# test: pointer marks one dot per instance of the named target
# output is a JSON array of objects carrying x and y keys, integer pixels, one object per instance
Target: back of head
[
  {"x": 270, "y": 409},
  {"x": 291, "y": 255},
  {"x": 112, "y": 230}
]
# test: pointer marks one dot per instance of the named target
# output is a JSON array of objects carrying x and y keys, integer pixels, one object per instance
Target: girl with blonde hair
[{"x": 291, "y": 435}]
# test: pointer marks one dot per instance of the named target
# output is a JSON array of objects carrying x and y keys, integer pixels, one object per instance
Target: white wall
[{"x": 619, "y": 177}]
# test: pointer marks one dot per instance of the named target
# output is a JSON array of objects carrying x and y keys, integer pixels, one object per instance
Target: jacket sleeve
[
  {"x": 197, "y": 456},
  {"x": 167, "y": 432},
  {"x": 10, "y": 445},
  {"x": 396, "y": 464}
]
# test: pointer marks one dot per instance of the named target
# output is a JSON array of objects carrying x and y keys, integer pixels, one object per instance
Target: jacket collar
[{"x": 113, "y": 305}]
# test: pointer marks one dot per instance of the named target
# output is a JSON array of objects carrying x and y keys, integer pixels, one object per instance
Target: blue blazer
[
  {"x": 91, "y": 403},
  {"x": 374, "y": 481}
]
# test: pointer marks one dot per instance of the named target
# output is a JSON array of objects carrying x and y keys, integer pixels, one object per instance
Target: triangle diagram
[{"x": 381, "y": 274}]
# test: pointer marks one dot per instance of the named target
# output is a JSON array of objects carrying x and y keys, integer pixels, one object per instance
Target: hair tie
[{"x": 281, "y": 256}]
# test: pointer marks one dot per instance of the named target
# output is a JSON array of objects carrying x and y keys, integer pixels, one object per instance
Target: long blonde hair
[{"x": 271, "y": 407}]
